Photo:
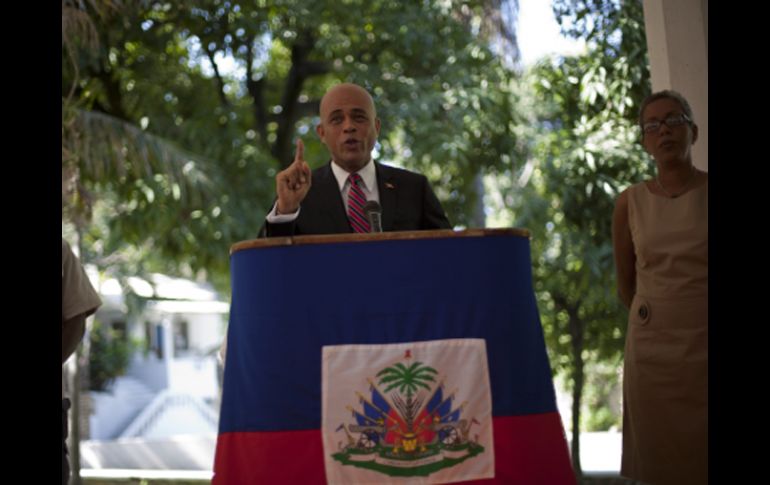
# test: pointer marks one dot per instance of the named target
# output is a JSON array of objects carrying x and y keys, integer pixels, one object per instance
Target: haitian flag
[
  {"x": 426, "y": 412},
  {"x": 396, "y": 406}
]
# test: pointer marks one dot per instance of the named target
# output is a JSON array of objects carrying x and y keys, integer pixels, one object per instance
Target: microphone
[{"x": 373, "y": 212}]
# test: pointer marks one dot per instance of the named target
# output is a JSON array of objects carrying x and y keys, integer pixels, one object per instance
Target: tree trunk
[
  {"x": 256, "y": 89},
  {"x": 218, "y": 77},
  {"x": 577, "y": 395},
  {"x": 282, "y": 149},
  {"x": 301, "y": 69},
  {"x": 577, "y": 335},
  {"x": 577, "y": 332}
]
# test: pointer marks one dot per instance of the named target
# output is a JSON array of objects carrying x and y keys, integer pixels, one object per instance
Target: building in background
[{"x": 163, "y": 412}]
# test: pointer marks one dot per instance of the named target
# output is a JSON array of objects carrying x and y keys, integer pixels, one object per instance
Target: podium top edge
[{"x": 383, "y": 236}]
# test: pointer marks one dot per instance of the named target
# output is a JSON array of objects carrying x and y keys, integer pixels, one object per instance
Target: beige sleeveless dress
[{"x": 665, "y": 379}]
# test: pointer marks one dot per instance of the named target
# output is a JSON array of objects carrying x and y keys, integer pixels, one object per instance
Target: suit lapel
[
  {"x": 332, "y": 206},
  {"x": 387, "y": 189}
]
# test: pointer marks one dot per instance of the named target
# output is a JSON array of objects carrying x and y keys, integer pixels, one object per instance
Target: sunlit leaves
[
  {"x": 152, "y": 101},
  {"x": 586, "y": 150}
]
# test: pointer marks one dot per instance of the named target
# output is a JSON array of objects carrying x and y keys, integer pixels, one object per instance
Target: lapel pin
[{"x": 389, "y": 185}]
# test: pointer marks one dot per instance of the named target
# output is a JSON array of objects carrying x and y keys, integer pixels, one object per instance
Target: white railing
[{"x": 148, "y": 417}]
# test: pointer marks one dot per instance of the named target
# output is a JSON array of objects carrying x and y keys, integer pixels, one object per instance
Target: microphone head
[
  {"x": 372, "y": 206},
  {"x": 373, "y": 212}
]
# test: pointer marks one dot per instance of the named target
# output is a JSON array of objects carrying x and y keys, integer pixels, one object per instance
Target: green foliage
[
  {"x": 602, "y": 419},
  {"x": 182, "y": 153},
  {"x": 109, "y": 356},
  {"x": 601, "y": 400},
  {"x": 588, "y": 153},
  {"x": 584, "y": 151}
]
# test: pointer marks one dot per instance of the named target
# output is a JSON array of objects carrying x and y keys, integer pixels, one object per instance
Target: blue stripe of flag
[{"x": 286, "y": 304}]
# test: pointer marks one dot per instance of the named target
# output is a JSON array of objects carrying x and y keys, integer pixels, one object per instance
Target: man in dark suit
[{"x": 322, "y": 203}]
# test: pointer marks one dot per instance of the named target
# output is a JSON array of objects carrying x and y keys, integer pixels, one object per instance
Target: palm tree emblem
[
  {"x": 406, "y": 424},
  {"x": 407, "y": 378}
]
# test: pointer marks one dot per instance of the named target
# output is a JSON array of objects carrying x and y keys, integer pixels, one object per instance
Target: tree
[
  {"x": 142, "y": 183},
  {"x": 109, "y": 356},
  {"x": 182, "y": 153},
  {"x": 585, "y": 151},
  {"x": 168, "y": 158}
]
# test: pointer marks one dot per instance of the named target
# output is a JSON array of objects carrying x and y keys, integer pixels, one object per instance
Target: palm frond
[
  {"x": 110, "y": 150},
  {"x": 392, "y": 386},
  {"x": 102, "y": 154},
  {"x": 77, "y": 24},
  {"x": 422, "y": 384},
  {"x": 78, "y": 29},
  {"x": 390, "y": 378}
]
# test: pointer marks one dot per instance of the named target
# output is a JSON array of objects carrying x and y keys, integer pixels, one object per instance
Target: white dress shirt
[{"x": 369, "y": 185}]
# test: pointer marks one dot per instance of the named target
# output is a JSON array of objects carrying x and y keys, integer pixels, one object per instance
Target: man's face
[{"x": 349, "y": 126}]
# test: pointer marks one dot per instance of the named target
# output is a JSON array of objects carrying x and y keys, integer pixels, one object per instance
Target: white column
[
  {"x": 677, "y": 42},
  {"x": 168, "y": 349}
]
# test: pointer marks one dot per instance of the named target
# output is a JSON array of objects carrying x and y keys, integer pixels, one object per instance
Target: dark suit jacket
[{"x": 407, "y": 200}]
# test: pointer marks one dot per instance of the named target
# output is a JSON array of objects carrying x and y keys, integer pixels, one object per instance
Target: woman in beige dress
[{"x": 660, "y": 239}]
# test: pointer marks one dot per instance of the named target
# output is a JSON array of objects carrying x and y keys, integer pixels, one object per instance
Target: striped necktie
[{"x": 356, "y": 202}]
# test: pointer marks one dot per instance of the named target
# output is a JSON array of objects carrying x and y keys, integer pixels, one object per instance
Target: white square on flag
[{"x": 416, "y": 412}]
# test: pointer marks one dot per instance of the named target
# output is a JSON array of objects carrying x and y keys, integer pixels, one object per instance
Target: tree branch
[
  {"x": 308, "y": 108},
  {"x": 220, "y": 81},
  {"x": 300, "y": 70},
  {"x": 256, "y": 90},
  {"x": 113, "y": 92}
]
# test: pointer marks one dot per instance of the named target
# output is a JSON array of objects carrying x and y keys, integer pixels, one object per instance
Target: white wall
[
  {"x": 205, "y": 331},
  {"x": 677, "y": 42}
]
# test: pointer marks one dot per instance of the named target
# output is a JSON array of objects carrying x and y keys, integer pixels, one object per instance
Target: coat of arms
[{"x": 406, "y": 425}]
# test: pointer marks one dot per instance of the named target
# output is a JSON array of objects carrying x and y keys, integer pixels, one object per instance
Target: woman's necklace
[{"x": 687, "y": 184}]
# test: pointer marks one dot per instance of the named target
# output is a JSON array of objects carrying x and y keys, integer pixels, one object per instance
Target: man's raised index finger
[{"x": 299, "y": 154}]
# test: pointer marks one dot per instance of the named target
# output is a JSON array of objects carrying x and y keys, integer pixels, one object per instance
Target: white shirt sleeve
[{"x": 274, "y": 218}]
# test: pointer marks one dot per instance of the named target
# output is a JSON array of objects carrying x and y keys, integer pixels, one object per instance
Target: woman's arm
[{"x": 623, "y": 248}]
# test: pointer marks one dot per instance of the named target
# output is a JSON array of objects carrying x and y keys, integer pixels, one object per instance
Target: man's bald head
[
  {"x": 345, "y": 91},
  {"x": 349, "y": 125}
]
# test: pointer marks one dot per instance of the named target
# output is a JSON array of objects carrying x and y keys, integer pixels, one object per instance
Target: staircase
[
  {"x": 173, "y": 413},
  {"x": 115, "y": 409}
]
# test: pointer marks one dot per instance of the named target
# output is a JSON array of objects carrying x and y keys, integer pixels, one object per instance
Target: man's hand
[{"x": 292, "y": 184}]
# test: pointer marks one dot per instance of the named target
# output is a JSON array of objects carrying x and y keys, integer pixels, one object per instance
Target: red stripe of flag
[{"x": 529, "y": 450}]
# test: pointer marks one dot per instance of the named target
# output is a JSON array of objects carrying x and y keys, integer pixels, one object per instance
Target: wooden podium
[{"x": 295, "y": 300}]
